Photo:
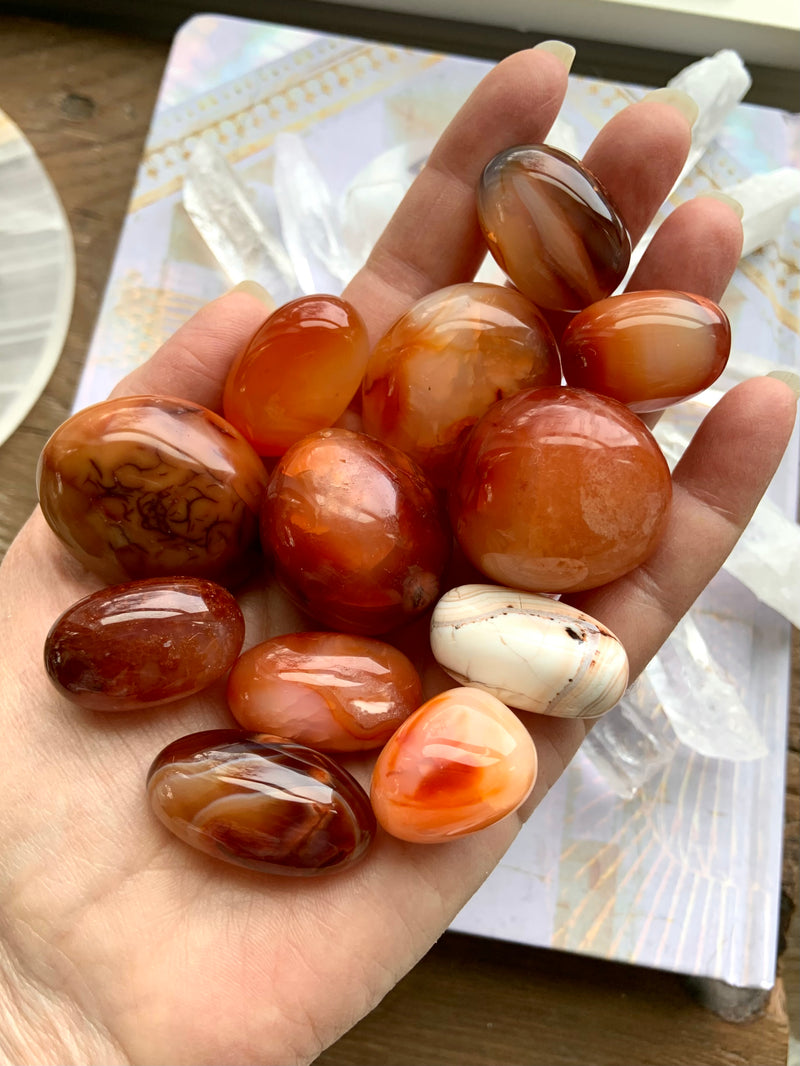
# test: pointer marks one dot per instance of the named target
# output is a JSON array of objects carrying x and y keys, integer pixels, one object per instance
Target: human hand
[{"x": 117, "y": 944}]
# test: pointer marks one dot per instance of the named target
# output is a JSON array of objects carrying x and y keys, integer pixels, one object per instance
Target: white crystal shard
[
  {"x": 563, "y": 135},
  {"x": 767, "y": 200},
  {"x": 767, "y": 560},
  {"x": 632, "y": 741},
  {"x": 702, "y": 704},
  {"x": 716, "y": 84},
  {"x": 310, "y": 222},
  {"x": 221, "y": 209}
]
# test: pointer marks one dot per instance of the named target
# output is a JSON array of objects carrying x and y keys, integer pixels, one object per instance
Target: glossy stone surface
[
  {"x": 445, "y": 362},
  {"x": 532, "y": 652},
  {"x": 552, "y": 228},
  {"x": 332, "y": 691},
  {"x": 356, "y": 532},
  {"x": 298, "y": 373},
  {"x": 560, "y": 490},
  {"x": 460, "y": 763},
  {"x": 144, "y": 643},
  {"x": 647, "y": 349},
  {"x": 152, "y": 486},
  {"x": 262, "y": 802}
]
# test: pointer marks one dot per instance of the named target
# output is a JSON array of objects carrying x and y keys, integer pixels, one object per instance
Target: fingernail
[
  {"x": 723, "y": 198},
  {"x": 252, "y": 288},
  {"x": 676, "y": 98},
  {"x": 560, "y": 49},
  {"x": 788, "y": 377}
]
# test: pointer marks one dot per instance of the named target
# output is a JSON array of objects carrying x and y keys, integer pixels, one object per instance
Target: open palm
[{"x": 117, "y": 943}]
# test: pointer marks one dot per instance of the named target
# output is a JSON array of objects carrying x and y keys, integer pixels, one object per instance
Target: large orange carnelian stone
[
  {"x": 446, "y": 361},
  {"x": 298, "y": 373},
  {"x": 460, "y": 763},
  {"x": 357, "y": 534},
  {"x": 647, "y": 349},
  {"x": 560, "y": 490},
  {"x": 551, "y": 226}
]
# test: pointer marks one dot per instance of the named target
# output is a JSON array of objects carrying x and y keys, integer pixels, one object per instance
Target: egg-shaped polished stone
[
  {"x": 460, "y": 763},
  {"x": 298, "y": 373},
  {"x": 552, "y": 228},
  {"x": 152, "y": 486},
  {"x": 332, "y": 691},
  {"x": 559, "y": 490},
  {"x": 532, "y": 652},
  {"x": 262, "y": 802},
  {"x": 356, "y": 531},
  {"x": 647, "y": 349},
  {"x": 144, "y": 643},
  {"x": 446, "y": 361}
]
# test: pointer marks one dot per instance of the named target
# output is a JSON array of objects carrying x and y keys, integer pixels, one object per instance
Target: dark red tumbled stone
[
  {"x": 144, "y": 643},
  {"x": 259, "y": 801}
]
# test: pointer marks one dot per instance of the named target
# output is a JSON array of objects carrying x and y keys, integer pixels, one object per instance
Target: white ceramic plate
[{"x": 37, "y": 277}]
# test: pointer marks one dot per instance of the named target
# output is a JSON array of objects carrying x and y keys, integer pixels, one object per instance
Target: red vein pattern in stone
[{"x": 150, "y": 486}]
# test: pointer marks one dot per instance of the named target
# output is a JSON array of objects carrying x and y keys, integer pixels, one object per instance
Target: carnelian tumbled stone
[
  {"x": 445, "y": 362},
  {"x": 298, "y": 373},
  {"x": 262, "y": 802},
  {"x": 460, "y": 763},
  {"x": 356, "y": 531},
  {"x": 332, "y": 691},
  {"x": 552, "y": 228},
  {"x": 647, "y": 349},
  {"x": 559, "y": 490},
  {"x": 152, "y": 486},
  {"x": 144, "y": 643}
]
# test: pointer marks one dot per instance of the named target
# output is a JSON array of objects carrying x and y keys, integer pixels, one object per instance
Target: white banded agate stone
[{"x": 532, "y": 652}]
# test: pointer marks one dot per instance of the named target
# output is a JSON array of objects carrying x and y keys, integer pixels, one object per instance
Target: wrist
[{"x": 40, "y": 1026}]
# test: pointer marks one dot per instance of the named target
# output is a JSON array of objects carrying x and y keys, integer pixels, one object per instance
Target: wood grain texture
[{"x": 84, "y": 97}]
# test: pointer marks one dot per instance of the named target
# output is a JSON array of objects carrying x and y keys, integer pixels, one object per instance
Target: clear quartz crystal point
[
  {"x": 702, "y": 704},
  {"x": 767, "y": 201},
  {"x": 632, "y": 741},
  {"x": 716, "y": 84},
  {"x": 222, "y": 211},
  {"x": 310, "y": 221}
]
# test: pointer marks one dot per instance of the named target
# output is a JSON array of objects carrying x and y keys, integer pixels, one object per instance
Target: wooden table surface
[{"x": 83, "y": 97}]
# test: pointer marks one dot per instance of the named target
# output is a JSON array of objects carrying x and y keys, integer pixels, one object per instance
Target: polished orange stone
[
  {"x": 460, "y": 763},
  {"x": 332, "y": 691},
  {"x": 560, "y": 490},
  {"x": 144, "y": 643},
  {"x": 446, "y": 361},
  {"x": 356, "y": 531},
  {"x": 261, "y": 802},
  {"x": 152, "y": 486},
  {"x": 298, "y": 373},
  {"x": 647, "y": 349},
  {"x": 552, "y": 228}
]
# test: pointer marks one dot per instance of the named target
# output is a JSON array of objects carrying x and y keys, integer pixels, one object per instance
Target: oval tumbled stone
[
  {"x": 261, "y": 802},
  {"x": 144, "y": 643},
  {"x": 532, "y": 652},
  {"x": 460, "y": 763},
  {"x": 333, "y": 691},
  {"x": 152, "y": 486},
  {"x": 552, "y": 228},
  {"x": 647, "y": 349}
]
